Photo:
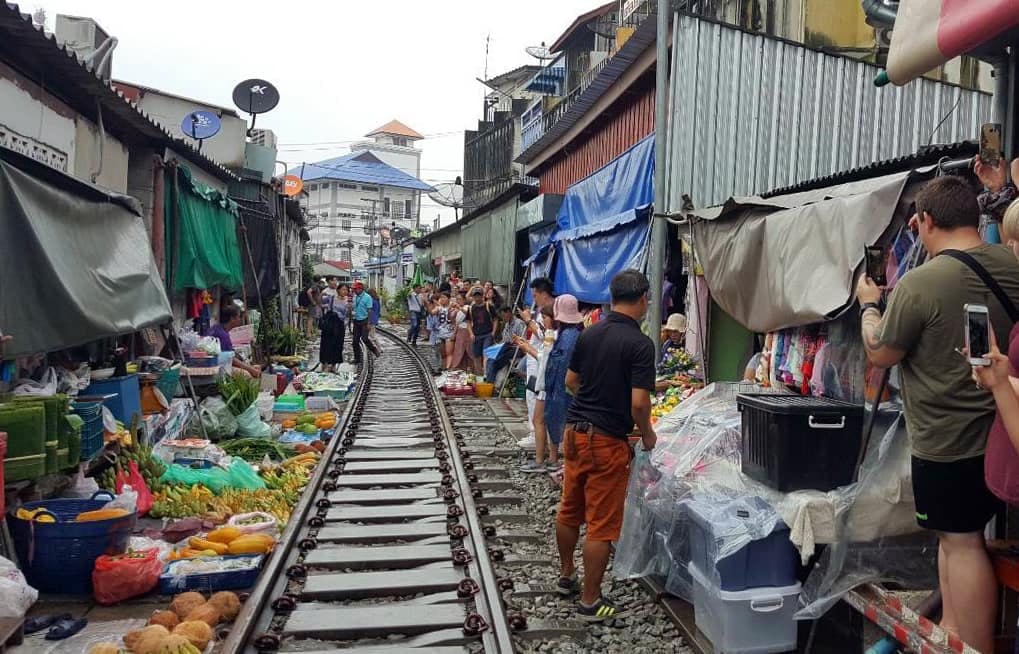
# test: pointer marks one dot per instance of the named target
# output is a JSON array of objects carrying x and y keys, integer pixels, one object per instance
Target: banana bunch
[
  {"x": 234, "y": 501},
  {"x": 291, "y": 481},
  {"x": 149, "y": 466},
  {"x": 181, "y": 502}
]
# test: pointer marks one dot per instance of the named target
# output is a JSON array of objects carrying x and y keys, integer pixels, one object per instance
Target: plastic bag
[
  {"x": 238, "y": 475},
  {"x": 123, "y": 576},
  {"x": 137, "y": 483},
  {"x": 250, "y": 425},
  {"x": 127, "y": 498},
  {"x": 83, "y": 487},
  {"x": 16, "y": 596},
  {"x": 45, "y": 386},
  {"x": 254, "y": 523},
  {"x": 219, "y": 422}
]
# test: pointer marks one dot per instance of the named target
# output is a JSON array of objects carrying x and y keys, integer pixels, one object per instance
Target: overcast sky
[{"x": 342, "y": 67}]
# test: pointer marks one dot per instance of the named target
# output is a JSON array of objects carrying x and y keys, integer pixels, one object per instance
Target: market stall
[{"x": 789, "y": 490}]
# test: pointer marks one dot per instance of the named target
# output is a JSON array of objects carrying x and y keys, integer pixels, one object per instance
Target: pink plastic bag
[{"x": 134, "y": 479}]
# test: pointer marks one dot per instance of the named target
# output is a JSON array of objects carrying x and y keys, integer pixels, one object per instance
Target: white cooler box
[{"x": 751, "y": 621}]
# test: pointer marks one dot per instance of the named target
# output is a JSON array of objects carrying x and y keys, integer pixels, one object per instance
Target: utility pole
[
  {"x": 656, "y": 261},
  {"x": 371, "y": 236}
]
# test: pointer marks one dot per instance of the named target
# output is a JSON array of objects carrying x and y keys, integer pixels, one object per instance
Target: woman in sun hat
[{"x": 569, "y": 323}]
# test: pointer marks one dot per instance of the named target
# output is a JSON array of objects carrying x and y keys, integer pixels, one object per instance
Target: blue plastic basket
[
  {"x": 59, "y": 557},
  {"x": 92, "y": 431},
  {"x": 170, "y": 584}
]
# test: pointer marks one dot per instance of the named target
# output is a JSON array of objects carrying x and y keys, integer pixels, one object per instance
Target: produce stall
[{"x": 180, "y": 497}]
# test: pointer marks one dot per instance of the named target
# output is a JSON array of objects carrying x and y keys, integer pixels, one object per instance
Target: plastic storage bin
[
  {"x": 752, "y": 621},
  {"x": 769, "y": 561},
  {"x": 795, "y": 443},
  {"x": 172, "y": 582},
  {"x": 92, "y": 433},
  {"x": 128, "y": 400}
]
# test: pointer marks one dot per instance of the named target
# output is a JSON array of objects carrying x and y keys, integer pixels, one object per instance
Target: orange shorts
[{"x": 597, "y": 471}]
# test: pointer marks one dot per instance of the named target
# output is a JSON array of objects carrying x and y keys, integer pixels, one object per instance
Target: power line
[{"x": 356, "y": 140}]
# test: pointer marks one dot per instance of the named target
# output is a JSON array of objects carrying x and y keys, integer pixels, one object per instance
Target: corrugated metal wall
[
  {"x": 446, "y": 245},
  {"x": 750, "y": 114},
  {"x": 633, "y": 119},
  {"x": 489, "y": 244}
]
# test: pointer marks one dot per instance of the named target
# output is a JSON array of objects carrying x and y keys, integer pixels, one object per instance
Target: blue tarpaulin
[{"x": 603, "y": 225}]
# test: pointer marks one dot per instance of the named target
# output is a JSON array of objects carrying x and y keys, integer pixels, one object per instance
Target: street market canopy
[
  {"x": 791, "y": 260},
  {"x": 603, "y": 225},
  {"x": 362, "y": 167},
  {"x": 928, "y": 33},
  {"x": 74, "y": 259}
]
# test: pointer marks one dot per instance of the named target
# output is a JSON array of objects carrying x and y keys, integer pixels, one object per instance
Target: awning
[
  {"x": 792, "y": 259},
  {"x": 549, "y": 80},
  {"x": 259, "y": 254},
  {"x": 201, "y": 235},
  {"x": 929, "y": 33},
  {"x": 602, "y": 226},
  {"x": 74, "y": 259}
]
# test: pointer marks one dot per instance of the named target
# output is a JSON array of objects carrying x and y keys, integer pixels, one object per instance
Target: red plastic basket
[{"x": 459, "y": 391}]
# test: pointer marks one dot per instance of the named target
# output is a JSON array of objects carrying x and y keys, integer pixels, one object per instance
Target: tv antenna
[
  {"x": 539, "y": 52},
  {"x": 255, "y": 96},
  {"x": 200, "y": 125},
  {"x": 449, "y": 194}
]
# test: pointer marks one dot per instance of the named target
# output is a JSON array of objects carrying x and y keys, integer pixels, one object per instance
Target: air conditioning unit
[{"x": 79, "y": 34}]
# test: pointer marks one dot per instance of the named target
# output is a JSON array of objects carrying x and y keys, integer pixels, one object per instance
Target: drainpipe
[
  {"x": 158, "y": 221},
  {"x": 656, "y": 261}
]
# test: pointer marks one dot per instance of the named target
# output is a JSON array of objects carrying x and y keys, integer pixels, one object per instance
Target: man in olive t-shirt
[{"x": 947, "y": 416}]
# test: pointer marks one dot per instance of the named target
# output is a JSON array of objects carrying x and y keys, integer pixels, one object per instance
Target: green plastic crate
[
  {"x": 73, "y": 425},
  {"x": 26, "y": 442}
]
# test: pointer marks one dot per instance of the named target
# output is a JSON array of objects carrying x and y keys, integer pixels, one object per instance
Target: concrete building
[{"x": 355, "y": 201}]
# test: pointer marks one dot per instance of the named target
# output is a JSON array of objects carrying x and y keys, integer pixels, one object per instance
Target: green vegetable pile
[
  {"x": 239, "y": 392},
  {"x": 255, "y": 449}
]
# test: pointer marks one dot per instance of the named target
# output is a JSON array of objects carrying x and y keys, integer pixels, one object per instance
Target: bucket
[{"x": 484, "y": 389}]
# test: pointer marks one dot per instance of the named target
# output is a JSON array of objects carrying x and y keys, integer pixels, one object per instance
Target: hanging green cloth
[{"x": 201, "y": 235}]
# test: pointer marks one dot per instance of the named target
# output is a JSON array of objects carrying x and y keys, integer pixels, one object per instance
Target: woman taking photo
[
  {"x": 569, "y": 323},
  {"x": 443, "y": 329}
]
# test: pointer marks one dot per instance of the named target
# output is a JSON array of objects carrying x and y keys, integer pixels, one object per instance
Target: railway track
[{"x": 387, "y": 549}]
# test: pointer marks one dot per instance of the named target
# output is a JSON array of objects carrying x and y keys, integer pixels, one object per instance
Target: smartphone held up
[
  {"x": 978, "y": 334},
  {"x": 876, "y": 259}
]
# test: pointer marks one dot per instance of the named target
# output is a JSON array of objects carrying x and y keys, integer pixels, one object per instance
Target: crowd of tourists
[{"x": 962, "y": 419}]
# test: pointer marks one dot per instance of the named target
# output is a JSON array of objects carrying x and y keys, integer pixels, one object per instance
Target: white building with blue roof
[{"x": 354, "y": 200}]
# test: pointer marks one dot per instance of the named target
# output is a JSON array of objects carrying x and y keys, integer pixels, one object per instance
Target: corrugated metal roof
[
  {"x": 750, "y": 113},
  {"x": 610, "y": 72},
  {"x": 579, "y": 22},
  {"x": 362, "y": 167},
  {"x": 30, "y": 49},
  {"x": 927, "y": 156}
]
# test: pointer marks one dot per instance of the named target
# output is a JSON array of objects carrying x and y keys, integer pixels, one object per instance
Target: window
[
  {"x": 371, "y": 189},
  {"x": 352, "y": 187},
  {"x": 408, "y": 208},
  {"x": 345, "y": 255},
  {"x": 312, "y": 187},
  {"x": 345, "y": 224},
  {"x": 385, "y": 206},
  {"x": 400, "y": 140}
]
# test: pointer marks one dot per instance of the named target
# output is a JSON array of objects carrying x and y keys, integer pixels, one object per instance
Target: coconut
[
  {"x": 195, "y": 631},
  {"x": 185, "y": 603},
  {"x": 205, "y": 613},
  {"x": 227, "y": 603}
]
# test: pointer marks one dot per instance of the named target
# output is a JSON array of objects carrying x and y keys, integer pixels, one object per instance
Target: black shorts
[{"x": 952, "y": 497}]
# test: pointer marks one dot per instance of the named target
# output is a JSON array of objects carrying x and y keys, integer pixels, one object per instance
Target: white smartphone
[{"x": 978, "y": 334}]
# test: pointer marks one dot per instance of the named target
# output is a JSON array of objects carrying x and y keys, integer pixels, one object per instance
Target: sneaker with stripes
[{"x": 600, "y": 611}]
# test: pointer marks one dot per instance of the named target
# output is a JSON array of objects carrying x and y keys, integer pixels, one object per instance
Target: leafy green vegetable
[
  {"x": 255, "y": 449},
  {"x": 239, "y": 392}
]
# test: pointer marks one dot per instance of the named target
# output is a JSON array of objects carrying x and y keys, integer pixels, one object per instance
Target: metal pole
[{"x": 656, "y": 262}]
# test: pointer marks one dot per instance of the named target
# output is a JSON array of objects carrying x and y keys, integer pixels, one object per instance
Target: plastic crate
[
  {"x": 26, "y": 441},
  {"x": 91, "y": 413},
  {"x": 751, "y": 621},
  {"x": 794, "y": 443},
  {"x": 59, "y": 557},
  {"x": 171, "y": 583},
  {"x": 768, "y": 561},
  {"x": 335, "y": 395}
]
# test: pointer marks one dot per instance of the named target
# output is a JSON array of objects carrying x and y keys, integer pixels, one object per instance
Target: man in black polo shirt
[{"x": 612, "y": 375}]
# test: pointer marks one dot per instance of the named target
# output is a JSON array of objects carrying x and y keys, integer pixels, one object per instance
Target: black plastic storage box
[{"x": 794, "y": 443}]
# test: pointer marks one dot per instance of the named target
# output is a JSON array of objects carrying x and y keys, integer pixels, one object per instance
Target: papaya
[
  {"x": 204, "y": 544},
  {"x": 224, "y": 534},
  {"x": 251, "y": 544},
  {"x": 101, "y": 514}
]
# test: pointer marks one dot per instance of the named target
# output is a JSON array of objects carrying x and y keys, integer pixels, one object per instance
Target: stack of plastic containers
[{"x": 744, "y": 601}]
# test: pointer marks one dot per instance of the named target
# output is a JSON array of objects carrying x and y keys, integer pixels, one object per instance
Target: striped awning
[{"x": 928, "y": 33}]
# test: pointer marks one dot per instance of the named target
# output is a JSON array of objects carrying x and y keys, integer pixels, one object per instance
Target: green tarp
[
  {"x": 201, "y": 235},
  {"x": 75, "y": 261}
]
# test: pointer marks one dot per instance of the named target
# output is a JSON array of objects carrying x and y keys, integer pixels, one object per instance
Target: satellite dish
[
  {"x": 448, "y": 195},
  {"x": 539, "y": 52},
  {"x": 200, "y": 125},
  {"x": 255, "y": 96},
  {"x": 292, "y": 185}
]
